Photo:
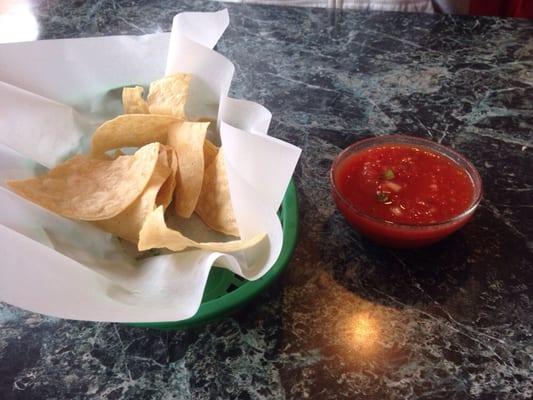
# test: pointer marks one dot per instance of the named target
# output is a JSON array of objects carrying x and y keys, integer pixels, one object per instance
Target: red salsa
[{"x": 405, "y": 184}]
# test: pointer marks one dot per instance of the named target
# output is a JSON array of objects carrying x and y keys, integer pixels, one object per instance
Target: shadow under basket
[{"x": 226, "y": 292}]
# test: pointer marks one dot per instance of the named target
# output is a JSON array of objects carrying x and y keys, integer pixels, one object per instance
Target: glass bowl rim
[{"x": 438, "y": 148}]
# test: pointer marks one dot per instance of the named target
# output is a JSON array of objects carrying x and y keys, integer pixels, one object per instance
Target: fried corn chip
[
  {"x": 91, "y": 189},
  {"x": 187, "y": 139},
  {"x": 168, "y": 95},
  {"x": 116, "y": 154},
  {"x": 214, "y": 204},
  {"x": 133, "y": 101},
  {"x": 129, "y": 222},
  {"x": 210, "y": 152},
  {"x": 155, "y": 234},
  {"x": 130, "y": 130},
  {"x": 164, "y": 197},
  {"x": 204, "y": 119}
]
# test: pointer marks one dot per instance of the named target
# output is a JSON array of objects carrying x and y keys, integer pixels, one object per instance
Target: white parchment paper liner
[{"x": 52, "y": 96}]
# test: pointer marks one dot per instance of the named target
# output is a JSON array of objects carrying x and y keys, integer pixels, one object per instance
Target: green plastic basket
[{"x": 226, "y": 292}]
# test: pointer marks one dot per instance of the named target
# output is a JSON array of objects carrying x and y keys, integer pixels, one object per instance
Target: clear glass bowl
[{"x": 402, "y": 235}]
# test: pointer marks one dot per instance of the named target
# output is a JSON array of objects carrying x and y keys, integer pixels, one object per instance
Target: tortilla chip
[
  {"x": 210, "y": 152},
  {"x": 155, "y": 234},
  {"x": 187, "y": 139},
  {"x": 129, "y": 222},
  {"x": 164, "y": 197},
  {"x": 117, "y": 153},
  {"x": 91, "y": 189},
  {"x": 168, "y": 95},
  {"x": 133, "y": 102},
  {"x": 214, "y": 205},
  {"x": 204, "y": 119},
  {"x": 130, "y": 130}
]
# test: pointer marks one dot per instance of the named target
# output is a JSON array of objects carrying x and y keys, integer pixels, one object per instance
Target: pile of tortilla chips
[{"x": 174, "y": 167}]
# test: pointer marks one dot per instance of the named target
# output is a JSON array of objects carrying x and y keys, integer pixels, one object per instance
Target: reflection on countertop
[{"x": 17, "y": 22}]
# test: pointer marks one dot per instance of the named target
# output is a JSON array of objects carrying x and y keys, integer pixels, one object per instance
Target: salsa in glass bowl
[{"x": 403, "y": 191}]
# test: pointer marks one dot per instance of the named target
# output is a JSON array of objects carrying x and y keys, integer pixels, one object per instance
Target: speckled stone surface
[{"x": 348, "y": 319}]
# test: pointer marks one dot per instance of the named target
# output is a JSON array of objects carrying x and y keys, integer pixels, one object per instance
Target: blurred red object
[{"x": 502, "y": 8}]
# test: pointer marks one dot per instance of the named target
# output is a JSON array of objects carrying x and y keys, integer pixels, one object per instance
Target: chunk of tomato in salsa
[{"x": 405, "y": 184}]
